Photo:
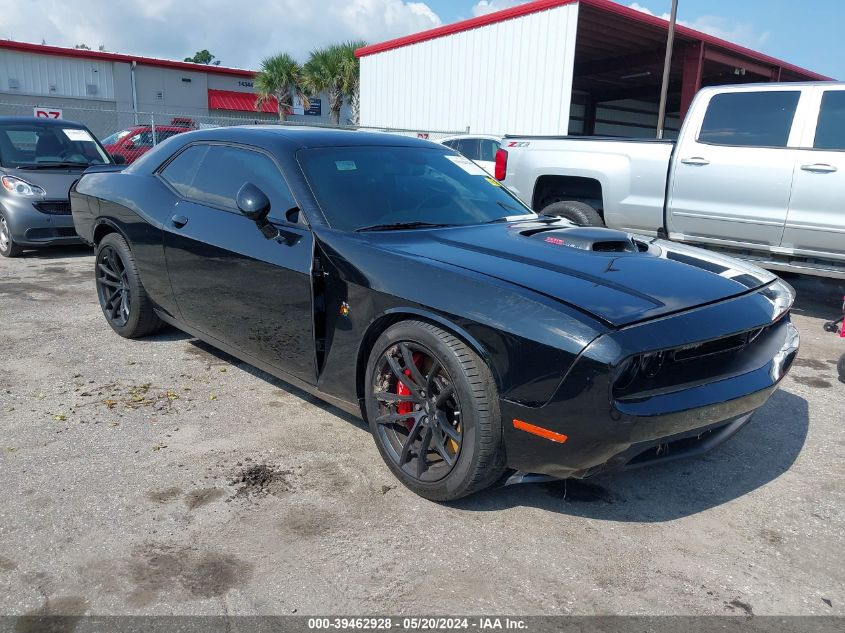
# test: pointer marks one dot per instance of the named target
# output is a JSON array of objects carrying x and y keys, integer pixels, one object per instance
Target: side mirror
[
  {"x": 253, "y": 202},
  {"x": 119, "y": 159},
  {"x": 129, "y": 145}
]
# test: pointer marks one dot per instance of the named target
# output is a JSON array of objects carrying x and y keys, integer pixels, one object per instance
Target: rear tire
[
  {"x": 8, "y": 248},
  {"x": 841, "y": 368},
  {"x": 124, "y": 301},
  {"x": 576, "y": 212},
  {"x": 441, "y": 435}
]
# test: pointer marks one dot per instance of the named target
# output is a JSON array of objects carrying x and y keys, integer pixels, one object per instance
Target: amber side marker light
[{"x": 560, "y": 438}]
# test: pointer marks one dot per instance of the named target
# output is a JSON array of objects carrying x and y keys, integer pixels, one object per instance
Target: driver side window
[{"x": 213, "y": 175}]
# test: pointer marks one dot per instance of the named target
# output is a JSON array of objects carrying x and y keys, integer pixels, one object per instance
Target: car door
[
  {"x": 732, "y": 171},
  {"x": 815, "y": 225},
  {"x": 230, "y": 281}
]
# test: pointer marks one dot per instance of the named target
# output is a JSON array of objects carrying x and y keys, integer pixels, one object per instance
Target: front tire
[
  {"x": 841, "y": 368},
  {"x": 123, "y": 299},
  {"x": 8, "y": 248},
  {"x": 576, "y": 212},
  {"x": 433, "y": 409}
]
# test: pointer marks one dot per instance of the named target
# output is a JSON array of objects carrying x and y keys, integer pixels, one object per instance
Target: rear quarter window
[{"x": 830, "y": 131}]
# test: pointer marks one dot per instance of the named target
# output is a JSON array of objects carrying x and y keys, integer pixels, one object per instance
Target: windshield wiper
[
  {"x": 54, "y": 165},
  {"x": 512, "y": 218},
  {"x": 401, "y": 226}
]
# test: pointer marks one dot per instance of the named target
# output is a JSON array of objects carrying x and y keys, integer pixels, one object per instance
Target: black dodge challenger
[{"x": 397, "y": 280}]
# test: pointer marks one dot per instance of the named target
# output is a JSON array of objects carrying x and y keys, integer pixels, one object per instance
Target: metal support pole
[
  {"x": 153, "y": 128},
  {"x": 132, "y": 67},
  {"x": 667, "y": 69}
]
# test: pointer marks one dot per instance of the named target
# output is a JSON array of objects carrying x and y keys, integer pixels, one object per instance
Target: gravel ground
[{"x": 162, "y": 477}]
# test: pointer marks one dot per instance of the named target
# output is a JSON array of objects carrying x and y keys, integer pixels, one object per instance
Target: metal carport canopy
[{"x": 615, "y": 42}]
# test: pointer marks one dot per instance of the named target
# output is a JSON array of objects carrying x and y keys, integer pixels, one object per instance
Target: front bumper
[
  {"x": 606, "y": 430},
  {"x": 40, "y": 222}
]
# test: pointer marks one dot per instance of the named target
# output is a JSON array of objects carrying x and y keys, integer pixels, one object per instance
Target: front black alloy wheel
[
  {"x": 419, "y": 419},
  {"x": 123, "y": 299},
  {"x": 433, "y": 410}
]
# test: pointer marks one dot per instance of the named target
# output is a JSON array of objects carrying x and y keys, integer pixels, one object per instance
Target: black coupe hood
[{"x": 599, "y": 271}]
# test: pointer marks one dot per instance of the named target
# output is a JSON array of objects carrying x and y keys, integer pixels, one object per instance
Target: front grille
[
  {"x": 682, "y": 367},
  {"x": 54, "y": 208},
  {"x": 720, "y": 346},
  {"x": 52, "y": 233}
]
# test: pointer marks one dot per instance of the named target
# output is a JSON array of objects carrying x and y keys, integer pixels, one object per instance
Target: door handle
[
  {"x": 819, "y": 168},
  {"x": 695, "y": 160},
  {"x": 179, "y": 221}
]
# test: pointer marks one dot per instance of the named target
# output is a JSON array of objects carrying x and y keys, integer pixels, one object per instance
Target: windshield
[
  {"x": 34, "y": 145},
  {"x": 111, "y": 139},
  {"x": 374, "y": 187}
]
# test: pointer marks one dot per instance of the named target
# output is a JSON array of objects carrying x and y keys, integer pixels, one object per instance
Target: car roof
[
  {"x": 158, "y": 127},
  {"x": 457, "y": 137},
  {"x": 24, "y": 120},
  {"x": 308, "y": 137}
]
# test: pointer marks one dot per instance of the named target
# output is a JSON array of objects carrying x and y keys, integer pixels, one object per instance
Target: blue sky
[
  {"x": 804, "y": 32},
  {"x": 807, "y": 33}
]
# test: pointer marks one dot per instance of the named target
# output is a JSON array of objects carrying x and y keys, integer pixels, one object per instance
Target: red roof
[
  {"x": 605, "y": 5},
  {"x": 240, "y": 101},
  {"x": 119, "y": 57}
]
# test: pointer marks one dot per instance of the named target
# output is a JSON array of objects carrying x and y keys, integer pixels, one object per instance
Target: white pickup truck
[{"x": 758, "y": 170}]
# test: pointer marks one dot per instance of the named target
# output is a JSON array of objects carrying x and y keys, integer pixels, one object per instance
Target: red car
[{"x": 134, "y": 142}]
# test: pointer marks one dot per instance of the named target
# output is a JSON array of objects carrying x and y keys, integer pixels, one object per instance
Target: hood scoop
[{"x": 587, "y": 239}]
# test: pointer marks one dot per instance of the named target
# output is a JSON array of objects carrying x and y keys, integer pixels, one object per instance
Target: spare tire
[{"x": 576, "y": 212}]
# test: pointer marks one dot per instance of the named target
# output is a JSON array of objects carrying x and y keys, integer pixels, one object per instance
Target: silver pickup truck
[{"x": 758, "y": 171}]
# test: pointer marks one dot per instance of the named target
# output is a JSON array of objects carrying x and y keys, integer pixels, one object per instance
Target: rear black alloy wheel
[
  {"x": 8, "y": 248},
  {"x": 125, "y": 303},
  {"x": 419, "y": 419},
  {"x": 113, "y": 286},
  {"x": 432, "y": 406}
]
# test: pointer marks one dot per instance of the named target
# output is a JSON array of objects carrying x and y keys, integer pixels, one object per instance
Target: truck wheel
[
  {"x": 576, "y": 212},
  {"x": 841, "y": 368}
]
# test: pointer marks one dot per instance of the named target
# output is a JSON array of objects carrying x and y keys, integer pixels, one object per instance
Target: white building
[{"x": 550, "y": 67}]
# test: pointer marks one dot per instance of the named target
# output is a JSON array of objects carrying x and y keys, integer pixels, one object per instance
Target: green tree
[
  {"x": 281, "y": 78},
  {"x": 324, "y": 72},
  {"x": 85, "y": 47},
  {"x": 203, "y": 57},
  {"x": 351, "y": 77}
]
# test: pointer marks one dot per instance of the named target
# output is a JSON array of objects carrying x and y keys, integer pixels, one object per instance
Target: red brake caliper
[{"x": 402, "y": 390}]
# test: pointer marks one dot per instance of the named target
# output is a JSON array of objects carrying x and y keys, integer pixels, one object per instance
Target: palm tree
[
  {"x": 324, "y": 73},
  {"x": 281, "y": 78},
  {"x": 351, "y": 77}
]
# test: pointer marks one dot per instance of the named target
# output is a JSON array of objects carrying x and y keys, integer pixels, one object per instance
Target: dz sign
[{"x": 46, "y": 112}]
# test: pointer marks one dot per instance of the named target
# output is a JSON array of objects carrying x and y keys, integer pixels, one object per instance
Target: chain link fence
[{"x": 132, "y": 133}]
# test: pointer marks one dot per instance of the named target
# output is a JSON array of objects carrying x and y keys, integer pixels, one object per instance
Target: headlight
[
  {"x": 20, "y": 187},
  {"x": 782, "y": 296}
]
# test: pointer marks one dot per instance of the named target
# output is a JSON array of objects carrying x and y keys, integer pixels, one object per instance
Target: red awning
[{"x": 239, "y": 101}]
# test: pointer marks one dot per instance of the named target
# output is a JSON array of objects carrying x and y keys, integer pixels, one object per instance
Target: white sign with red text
[{"x": 46, "y": 112}]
